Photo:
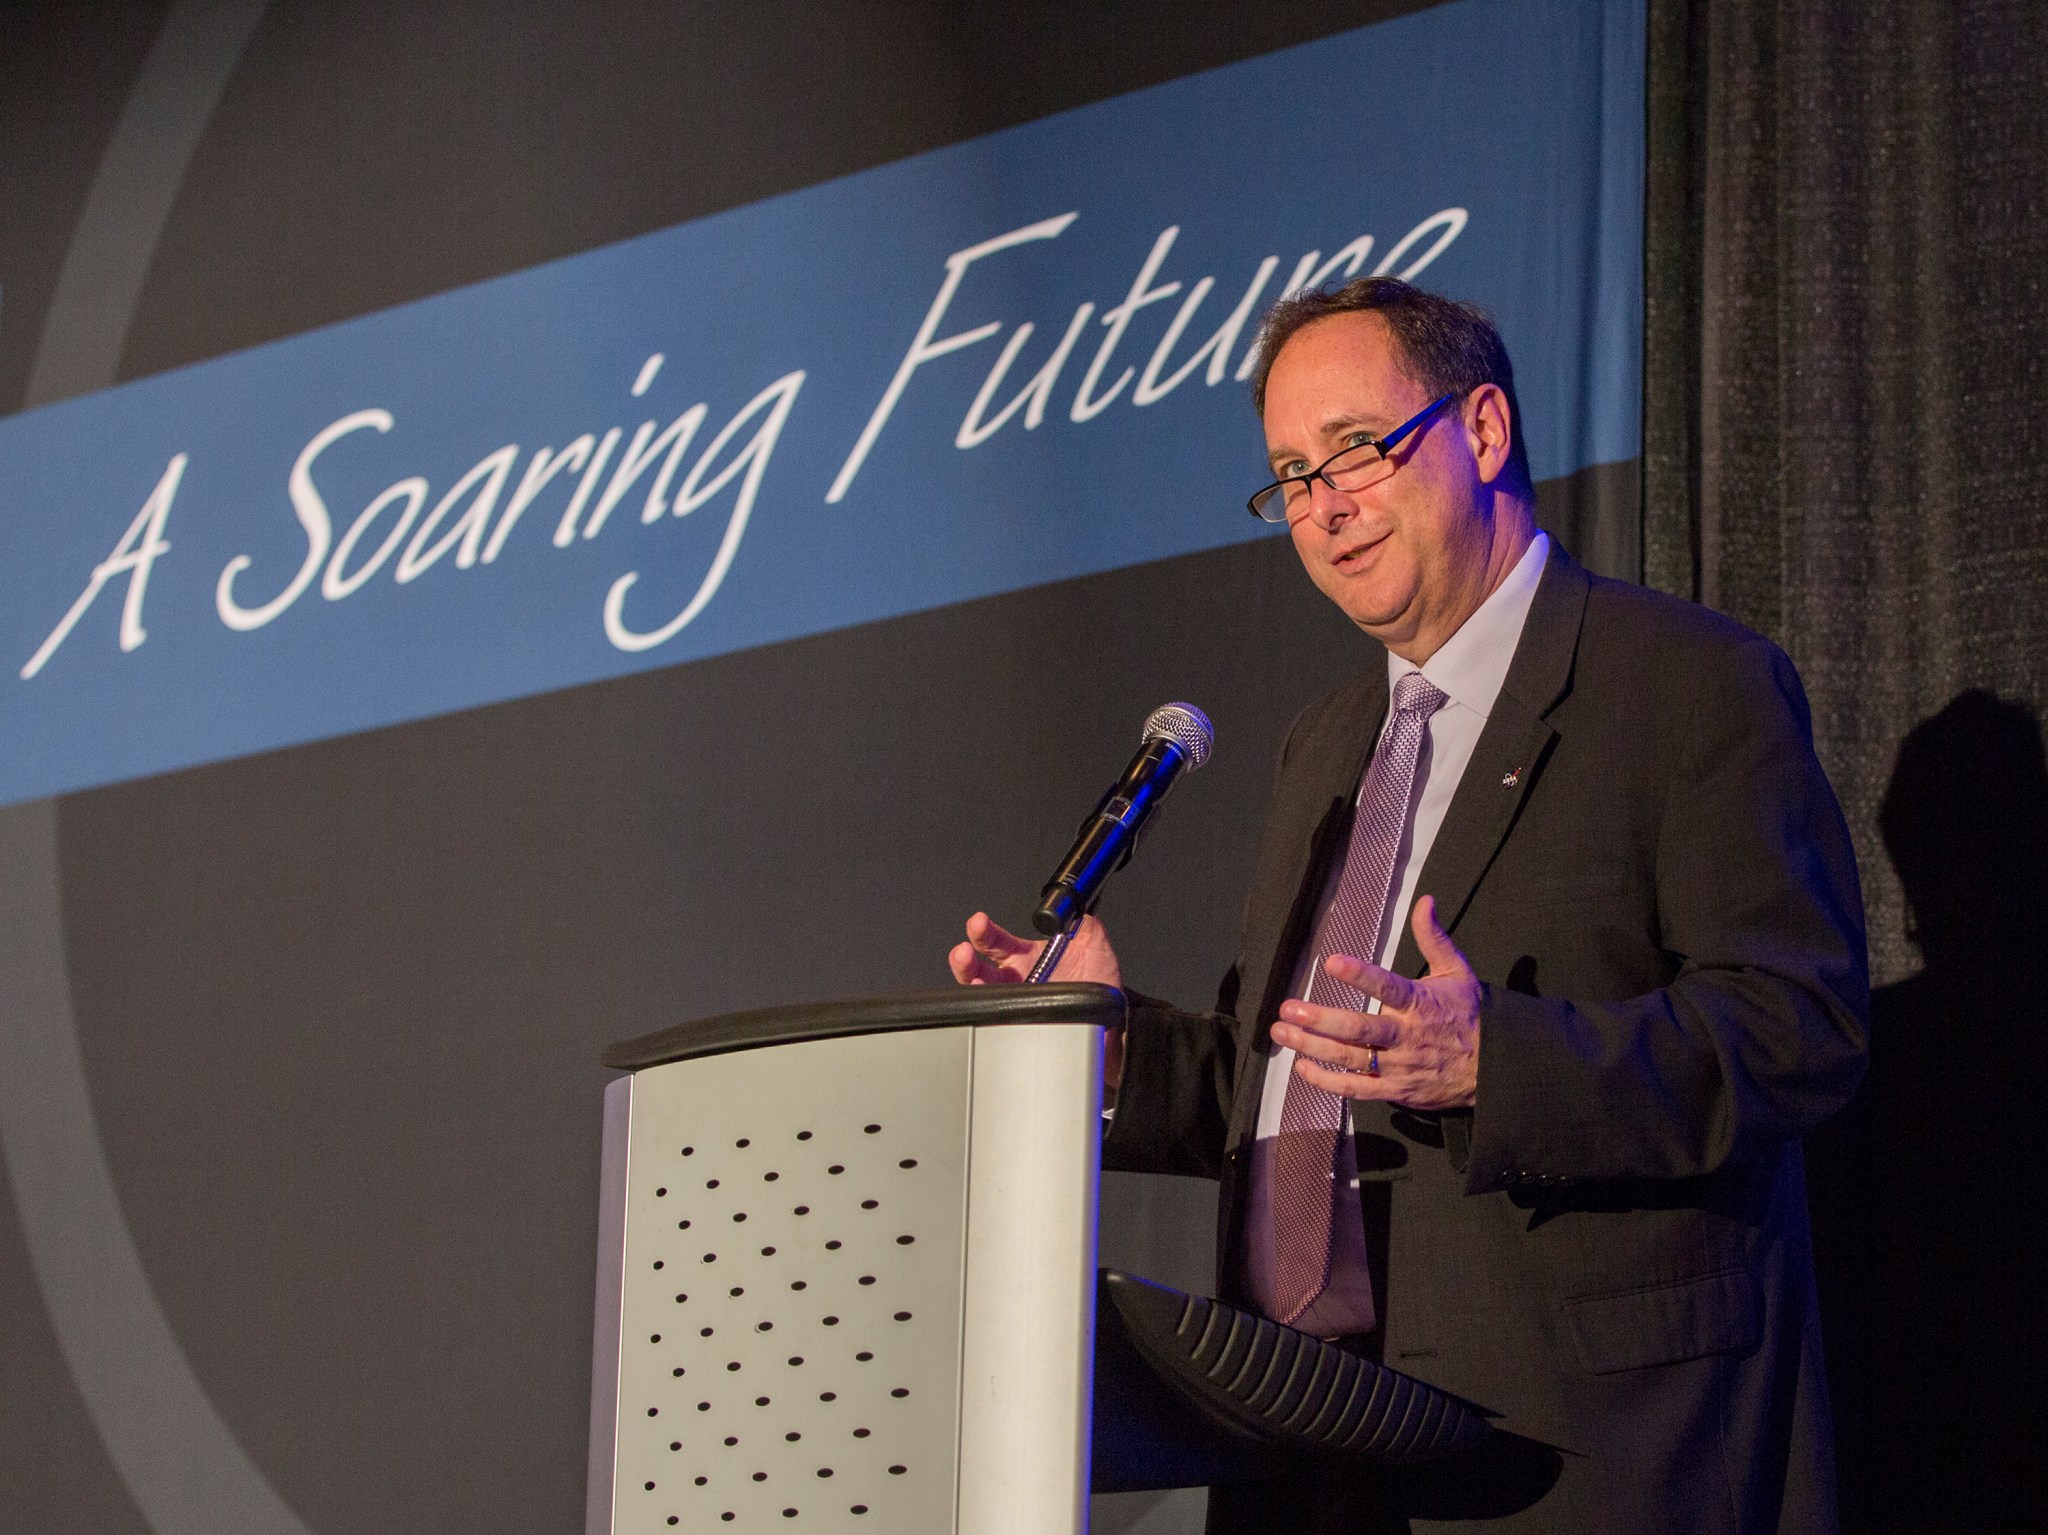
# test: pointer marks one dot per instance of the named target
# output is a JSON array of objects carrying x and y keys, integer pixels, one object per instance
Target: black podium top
[{"x": 952, "y": 1008}]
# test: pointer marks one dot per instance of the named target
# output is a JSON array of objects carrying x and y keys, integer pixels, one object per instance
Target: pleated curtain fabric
[
  {"x": 1846, "y": 448},
  {"x": 1846, "y": 402}
]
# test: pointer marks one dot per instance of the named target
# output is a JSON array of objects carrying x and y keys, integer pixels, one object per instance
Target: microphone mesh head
[{"x": 1187, "y": 727}]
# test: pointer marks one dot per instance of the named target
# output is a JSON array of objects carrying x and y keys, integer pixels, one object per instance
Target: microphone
[{"x": 1177, "y": 738}]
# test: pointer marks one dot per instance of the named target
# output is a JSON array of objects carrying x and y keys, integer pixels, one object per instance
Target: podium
[{"x": 847, "y": 1281}]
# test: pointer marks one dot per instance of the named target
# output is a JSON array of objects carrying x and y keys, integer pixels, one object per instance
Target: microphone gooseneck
[{"x": 1177, "y": 738}]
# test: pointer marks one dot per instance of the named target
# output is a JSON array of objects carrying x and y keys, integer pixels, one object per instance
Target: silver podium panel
[{"x": 849, "y": 1287}]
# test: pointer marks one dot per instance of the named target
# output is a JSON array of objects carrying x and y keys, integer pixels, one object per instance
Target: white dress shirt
[{"x": 1469, "y": 669}]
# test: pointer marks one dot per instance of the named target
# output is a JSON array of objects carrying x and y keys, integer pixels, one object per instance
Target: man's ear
[{"x": 1489, "y": 430}]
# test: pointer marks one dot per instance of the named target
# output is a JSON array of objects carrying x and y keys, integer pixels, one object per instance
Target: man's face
[{"x": 1403, "y": 557}]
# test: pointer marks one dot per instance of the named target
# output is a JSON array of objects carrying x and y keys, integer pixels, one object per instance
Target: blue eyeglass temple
[{"x": 1414, "y": 421}]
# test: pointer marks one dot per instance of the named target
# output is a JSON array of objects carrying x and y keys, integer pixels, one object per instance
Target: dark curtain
[{"x": 1846, "y": 448}]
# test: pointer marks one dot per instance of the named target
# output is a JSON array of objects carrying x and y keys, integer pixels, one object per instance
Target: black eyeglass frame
[{"x": 1384, "y": 446}]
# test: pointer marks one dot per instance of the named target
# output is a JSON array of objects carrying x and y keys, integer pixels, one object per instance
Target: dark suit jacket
[{"x": 1647, "y": 869}]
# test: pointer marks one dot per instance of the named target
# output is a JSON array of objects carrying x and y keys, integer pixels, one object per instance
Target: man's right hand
[{"x": 994, "y": 957}]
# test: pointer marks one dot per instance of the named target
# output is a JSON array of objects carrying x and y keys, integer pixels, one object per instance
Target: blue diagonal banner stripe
[{"x": 1013, "y": 361}]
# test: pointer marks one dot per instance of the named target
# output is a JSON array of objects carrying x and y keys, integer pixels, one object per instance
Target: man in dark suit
[{"x": 1544, "y": 971}]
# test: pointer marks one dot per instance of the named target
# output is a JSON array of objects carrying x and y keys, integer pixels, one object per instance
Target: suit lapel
[
  {"x": 1314, "y": 804},
  {"x": 1317, "y": 789},
  {"x": 1510, "y": 754},
  {"x": 1311, "y": 822}
]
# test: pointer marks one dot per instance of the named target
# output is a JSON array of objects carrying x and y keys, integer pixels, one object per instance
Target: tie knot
[{"x": 1416, "y": 694}]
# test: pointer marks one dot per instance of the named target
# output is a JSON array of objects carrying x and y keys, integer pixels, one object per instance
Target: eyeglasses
[{"x": 1348, "y": 469}]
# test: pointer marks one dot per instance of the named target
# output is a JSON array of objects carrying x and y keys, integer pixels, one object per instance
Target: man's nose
[{"x": 1328, "y": 507}]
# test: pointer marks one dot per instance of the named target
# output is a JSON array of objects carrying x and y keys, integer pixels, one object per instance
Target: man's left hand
[{"x": 1424, "y": 1038}]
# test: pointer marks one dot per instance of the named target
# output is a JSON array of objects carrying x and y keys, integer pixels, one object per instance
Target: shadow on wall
[{"x": 1928, "y": 1191}]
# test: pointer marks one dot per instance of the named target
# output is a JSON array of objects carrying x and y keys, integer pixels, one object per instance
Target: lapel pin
[{"x": 1512, "y": 777}]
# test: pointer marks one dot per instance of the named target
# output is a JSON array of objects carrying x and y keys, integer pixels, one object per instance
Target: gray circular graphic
[{"x": 180, "y": 1462}]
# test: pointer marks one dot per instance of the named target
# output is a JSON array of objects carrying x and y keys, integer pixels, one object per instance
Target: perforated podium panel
[{"x": 850, "y": 1286}]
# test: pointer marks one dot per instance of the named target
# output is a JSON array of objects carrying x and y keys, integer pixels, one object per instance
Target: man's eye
[{"x": 1293, "y": 469}]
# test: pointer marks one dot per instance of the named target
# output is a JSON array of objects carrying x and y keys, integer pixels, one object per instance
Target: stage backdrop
[{"x": 528, "y": 528}]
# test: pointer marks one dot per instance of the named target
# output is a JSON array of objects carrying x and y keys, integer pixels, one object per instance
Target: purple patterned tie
[{"x": 1310, "y": 1118}]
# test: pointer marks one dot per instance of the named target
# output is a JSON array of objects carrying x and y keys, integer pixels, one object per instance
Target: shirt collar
[{"x": 1472, "y": 664}]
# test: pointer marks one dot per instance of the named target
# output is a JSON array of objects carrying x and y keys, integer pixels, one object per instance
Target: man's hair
[{"x": 1445, "y": 347}]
